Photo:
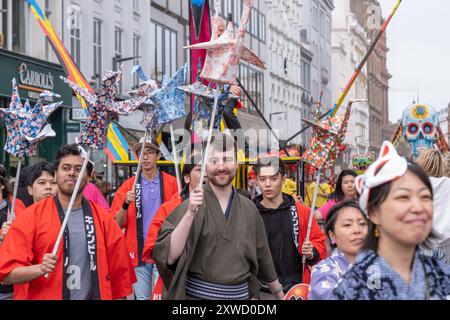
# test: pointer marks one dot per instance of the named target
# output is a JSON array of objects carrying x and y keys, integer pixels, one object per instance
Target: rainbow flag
[{"x": 118, "y": 149}]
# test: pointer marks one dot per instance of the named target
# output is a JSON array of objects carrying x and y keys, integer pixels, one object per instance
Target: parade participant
[
  {"x": 102, "y": 270},
  {"x": 252, "y": 185},
  {"x": 6, "y": 292},
  {"x": 134, "y": 211},
  {"x": 309, "y": 190},
  {"x": 433, "y": 162},
  {"x": 345, "y": 189},
  {"x": 324, "y": 191},
  {"x": 92, "y": 192},
  {"x": 41, "y": 185},
  {"x": 346, "y": 228},
  {"x": 214, "y": 243},
  {"x": 286, "y": 224},
  {"x": 20, "y": 206},
  {"x": 397, "y": 196},
  {"x": 191, "y": 178},
  {"x": 41, "y": 182},
  {"x": 22, "y": 191}
]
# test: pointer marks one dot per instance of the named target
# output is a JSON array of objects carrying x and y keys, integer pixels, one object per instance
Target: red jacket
[
  {"x": 160, "y": 216},
  {"x": 317, "y": 237},
  {"x": 170, "y": 188},
  {"x": 33, "y": 234}
]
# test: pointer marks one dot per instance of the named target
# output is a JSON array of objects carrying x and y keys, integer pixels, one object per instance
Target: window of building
[
  {"x": 257, "y": 23},
  {"x": 253, "y": 82},
  {"x": 12, "y": 24},
  {"x": 165, "y": 57},
  {"x": 118, "y": 32},
  {"x": 136, "y": 51},
  {"x": 75, "y": 34},
  {"x": 136, "y": 5},
  {"x": 97, "y": 77},
  {"x": 306, "y": 75}
]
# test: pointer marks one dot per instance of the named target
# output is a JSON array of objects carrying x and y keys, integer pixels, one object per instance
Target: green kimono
[{"x": 219, "y": 251}]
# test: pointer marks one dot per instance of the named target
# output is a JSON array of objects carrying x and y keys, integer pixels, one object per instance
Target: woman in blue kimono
[
  {"x": 396, "y": 195},
  {"x": 346, "y": 227}
]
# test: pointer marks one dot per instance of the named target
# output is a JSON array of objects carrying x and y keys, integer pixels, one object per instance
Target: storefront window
[{"x": 12, "y": 25}]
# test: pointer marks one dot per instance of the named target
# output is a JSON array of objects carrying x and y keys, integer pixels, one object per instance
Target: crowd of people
[{"x": 383, "y": 235}]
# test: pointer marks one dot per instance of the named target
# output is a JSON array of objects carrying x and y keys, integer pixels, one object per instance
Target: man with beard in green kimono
[{"x": 214, "y": 246}]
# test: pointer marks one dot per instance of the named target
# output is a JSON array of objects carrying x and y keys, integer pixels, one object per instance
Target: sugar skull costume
[
  {"x": 420, "y": 129},
  {"x": 420, "y": 124}
]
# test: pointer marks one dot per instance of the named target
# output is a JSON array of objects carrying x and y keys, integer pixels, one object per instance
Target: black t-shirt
[{"x": 286, "y": 258}]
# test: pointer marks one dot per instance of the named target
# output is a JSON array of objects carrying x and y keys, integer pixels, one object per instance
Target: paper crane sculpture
[
  {"x": 169, "y": 100},
  {"x": 147, "y": 87},
  {"x": 103, "y": 109},
  {"x": 223, "y": 53},
  {"x": 203, "y": 103},
  {"x": 26, "y": 126},
  {"x": 162, "y": 105},
  {"x": 326, "y": 144}
]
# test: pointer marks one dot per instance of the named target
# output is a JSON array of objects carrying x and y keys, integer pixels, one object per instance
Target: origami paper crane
[
  {"x": 147, "y": 87},
  {"x": 26, "y": 126},
  {"x": 204, "y": 101},
  {"x": 223, "y": 52},
  {"x": 163, "y": 105},
  {"x": 169, "y": 100},
  {"x": 325, "y": 146},
  {"x": 103, "y": 109}
]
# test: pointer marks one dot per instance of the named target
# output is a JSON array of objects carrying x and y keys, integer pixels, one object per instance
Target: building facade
[
  {"x": 284, "y": 63},
  {"x": 254, "y": 80},
  {"x": 444, "y": 122},
  {"x": 315, "y": 34},
  {"x": 349, "y": 44},
  {"x": 23, "y": 56}
]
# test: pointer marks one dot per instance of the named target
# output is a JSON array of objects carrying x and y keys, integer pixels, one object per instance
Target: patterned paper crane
[
  {"x": 103, "y": 109},
  {"x": 26, "y": 126},
  {"x": 223, "y": 53}
]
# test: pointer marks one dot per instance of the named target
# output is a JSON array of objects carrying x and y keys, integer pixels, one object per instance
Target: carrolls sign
[{"x": 36, "y": 79}]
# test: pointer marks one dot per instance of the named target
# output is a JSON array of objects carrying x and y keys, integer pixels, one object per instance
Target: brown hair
[
  {"x": 274, "y": 162},
  {"x": 432, "y": 162},
  {"x": 223, "y": 142}
]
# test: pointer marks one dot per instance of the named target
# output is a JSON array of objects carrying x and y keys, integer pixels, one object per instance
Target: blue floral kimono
[
  {"x": 371, "y": 278},
  {"x": 326, "y": 275}
]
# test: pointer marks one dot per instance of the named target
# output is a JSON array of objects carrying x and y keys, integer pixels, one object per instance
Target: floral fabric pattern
[{"x": 371, "y": 278}]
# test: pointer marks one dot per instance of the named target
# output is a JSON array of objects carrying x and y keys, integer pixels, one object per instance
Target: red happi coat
[
  {"x": 170, "y": 188},
  {"x": 317, "y": 237},
  {"x": 160, "y": 216},
  {"x": 33, "y": 234}
]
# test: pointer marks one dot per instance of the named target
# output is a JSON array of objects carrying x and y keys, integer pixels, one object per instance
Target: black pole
[
  {"x": 283, "y": 147},
  {"x": 306, "y": 127}
]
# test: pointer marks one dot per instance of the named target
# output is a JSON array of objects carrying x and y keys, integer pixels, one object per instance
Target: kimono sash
[{"x": 91, "y": 244}]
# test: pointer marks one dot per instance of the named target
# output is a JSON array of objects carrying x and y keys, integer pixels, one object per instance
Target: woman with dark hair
[
  {"x": 397, "y": 196},
  {"x": 345, "y": 189},
  {"x": 346, "y": 228}
]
